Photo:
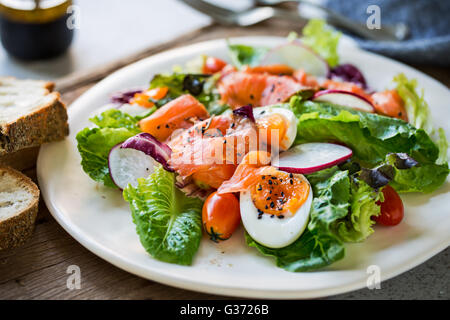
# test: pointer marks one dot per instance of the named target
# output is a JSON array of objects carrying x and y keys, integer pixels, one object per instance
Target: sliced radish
[
  {"x": 136, "y": 158},
  {"x": 311, "y": 157},
  {"x": 127, "y": 165},
  {"x": 298, "y": 56},
  {"x": 344, "y": 98}
]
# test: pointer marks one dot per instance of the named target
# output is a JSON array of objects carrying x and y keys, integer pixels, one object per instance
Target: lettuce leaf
[
  {"x": 357, "y": 225},
  {"x": 424, "y": 178},
  {"x": 168, "y": 223},
  {"x": 370, "y": 136},
  {"x": 443, "y": 147},
  {"x": 114, "y": 118},
  {"x": 94, "y": 146},
  {"x": 323, "y": 40},
  {"x": 242, "y": 55},
  {"x": 319, "y": 245},
  {"x": 416, "y": 107},
  {"x": 202, "y": 87}
]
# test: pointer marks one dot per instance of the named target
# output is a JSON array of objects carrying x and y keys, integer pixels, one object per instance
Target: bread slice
[
  {"x": 19, "y": 200},
  {"x": 30, "y": 114}
]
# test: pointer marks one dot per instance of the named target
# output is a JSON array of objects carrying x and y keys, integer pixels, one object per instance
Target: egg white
[
  {"x": 274, "y": 232},
  {"x": 291, "y": 120}
]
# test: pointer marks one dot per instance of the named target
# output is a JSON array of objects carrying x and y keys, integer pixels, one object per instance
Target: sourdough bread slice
[
  {"x": 30, "y": 114},
  {"x": 19, "y": 200}
]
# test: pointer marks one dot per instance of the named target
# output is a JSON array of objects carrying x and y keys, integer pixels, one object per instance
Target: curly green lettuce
[
  {"x": 168, "y": 222},
  {"x": 323, "y": 40},
  {"x": 357, "y": 225}
]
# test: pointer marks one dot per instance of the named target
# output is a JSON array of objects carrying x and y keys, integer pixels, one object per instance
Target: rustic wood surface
[{"x": 37, "y": 270}]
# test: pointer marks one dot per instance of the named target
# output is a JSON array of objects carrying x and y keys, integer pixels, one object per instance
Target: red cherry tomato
[
  {"x": 221, "y": 215},
  {"x": 392, "y": 210},
  {"x": 213, "y": 65}
]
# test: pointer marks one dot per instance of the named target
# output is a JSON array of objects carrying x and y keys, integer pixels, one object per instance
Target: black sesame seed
[
  {"x": 259, "y": 217},
  {"x": 270, "y": 181},
  {"x": 272, "y": 216},
  {"x": 252, "y": 96},
  {"x": 280, "y": 216},
  {"x": 259, "y": 187},
  {"x": 263, "y": 177},
  {"x": 273, "y": 177},
  {"x": 272, "y": 204},
  {"x": 268, "y": 198},
  {"x": 266, "y": 207},
  {"x": 167, "y": 126},
  {"x": 282, "y": 194},
  {"x": 291, "y": 181},
  {"x": 291, "y": 175},
  {"x": 158, "y": 127}
]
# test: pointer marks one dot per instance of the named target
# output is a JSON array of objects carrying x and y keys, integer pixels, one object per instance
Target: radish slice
[
  {"x": 344, "y": 98},
  {"x": 127, "y": 165},
  {"x": 311, "y": 157},
  {"x": 298, "y": 56},
  {"x": 136, "y": 158}
]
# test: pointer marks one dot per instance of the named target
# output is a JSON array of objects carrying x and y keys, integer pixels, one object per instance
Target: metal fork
[
  {"x": 398, "y": 31},
  {"x": 259, "y": 14}
]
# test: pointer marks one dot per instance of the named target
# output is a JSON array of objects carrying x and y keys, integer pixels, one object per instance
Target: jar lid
[{"x": 34, "y": 11}]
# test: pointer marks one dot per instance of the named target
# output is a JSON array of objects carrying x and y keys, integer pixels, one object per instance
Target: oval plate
[{"x": 100, "y": 219}]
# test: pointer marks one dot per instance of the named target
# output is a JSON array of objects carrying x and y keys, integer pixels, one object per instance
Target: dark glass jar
[{"x": 32, "y": 30}]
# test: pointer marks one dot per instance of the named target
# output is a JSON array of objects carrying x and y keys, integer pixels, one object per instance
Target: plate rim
[{"x": 194, "y": 284}]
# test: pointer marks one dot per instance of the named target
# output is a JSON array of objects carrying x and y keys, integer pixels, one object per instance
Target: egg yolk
[
  {"x": 268, "y": 123},
  {"x": 280, "y": 193}
]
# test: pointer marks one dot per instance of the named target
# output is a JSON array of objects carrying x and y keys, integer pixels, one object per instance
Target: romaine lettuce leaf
[
  {"x": 443, "y": 147},
  {"x": 323, "y": 40},
  {"x": 319, "y": 245},
  {"x": 168, "y": 223},
  {"x": 370, "y": 136},
  {"x": 94, "y": 146},
  {"x": 242, "y": 55},
  {"x": 357, "y": 225}
]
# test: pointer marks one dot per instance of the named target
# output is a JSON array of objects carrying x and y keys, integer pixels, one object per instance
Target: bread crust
[
  {"x": 20, "y": 160},
  {"x": 47, "y": 124},
  {"x": 14, "y": 231}
]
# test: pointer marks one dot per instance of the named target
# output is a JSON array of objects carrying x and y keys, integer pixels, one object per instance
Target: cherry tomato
[
  {"x": 221, "y": 215},
  {"x": 392, "y": 211},
  {"x": 213, "y": 65}
]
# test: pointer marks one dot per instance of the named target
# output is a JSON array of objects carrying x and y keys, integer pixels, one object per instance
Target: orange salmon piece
[
  {"x": 241, "y": 88},
  {"x": 253, "y": 165},
  {"x": 389, "y": 103},
  {"x": 173, "y": 115},
  {"x": 305, "y": 79},
  {"x": 275, "y": 69},
  {"x": 346, "y": 86}
]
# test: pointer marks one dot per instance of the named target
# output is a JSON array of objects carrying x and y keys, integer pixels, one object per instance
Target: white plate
[{"x": 100, "y": 220}]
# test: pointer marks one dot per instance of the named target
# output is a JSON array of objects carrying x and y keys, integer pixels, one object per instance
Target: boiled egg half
[
  {"x": 282, "y": 120},
  {"x": 275, "y": 210}
]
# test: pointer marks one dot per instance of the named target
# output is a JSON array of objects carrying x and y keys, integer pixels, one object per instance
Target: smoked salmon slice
[
  {"x": 211, "y": 150},
  {"x": 176, "y": 114},
  {"x": 241, "y": 88},
  {"x": 274, "y": 69},
  {"x": 249, "y": 171}
]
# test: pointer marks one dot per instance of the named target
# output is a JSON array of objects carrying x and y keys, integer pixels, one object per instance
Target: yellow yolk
[
  {"x": 280, "y": 193},
  {"x": 266, "y": 124}
]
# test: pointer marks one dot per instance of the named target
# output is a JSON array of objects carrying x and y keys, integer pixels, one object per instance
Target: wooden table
[{"x": 38, "y": 270}]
